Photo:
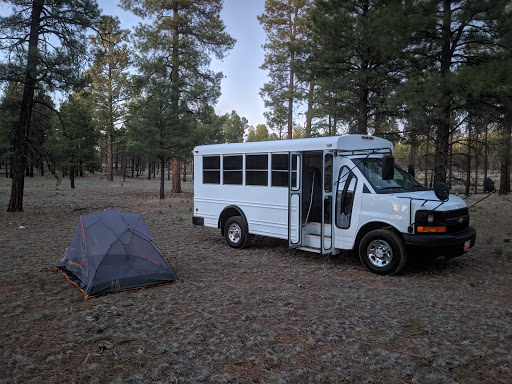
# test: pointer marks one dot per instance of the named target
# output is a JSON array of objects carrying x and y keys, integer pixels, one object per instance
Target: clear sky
[{"x": 243, "y": 77}]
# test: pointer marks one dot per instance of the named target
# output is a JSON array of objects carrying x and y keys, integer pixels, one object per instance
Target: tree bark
[
  {"x": 21, "y": 134},
  {"x": 310, "y": 108},
  {"x": 72, "y": 177},
  {"x": 110, "y": 173},
  {"x": 162, "y": 178},
  {"x": 506, "y": 149},
  {"x": 176, "y": 181},
  {"x": 444, "y": 124}
]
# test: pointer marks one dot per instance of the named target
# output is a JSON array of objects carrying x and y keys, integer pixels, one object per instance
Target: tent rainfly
[{"x": 113, "y": 251}]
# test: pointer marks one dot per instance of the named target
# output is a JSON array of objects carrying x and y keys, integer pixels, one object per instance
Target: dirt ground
[{"x": 263, "y": 314}]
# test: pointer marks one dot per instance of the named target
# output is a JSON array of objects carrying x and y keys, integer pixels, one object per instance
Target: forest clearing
[{"x": 262, "y": 314}]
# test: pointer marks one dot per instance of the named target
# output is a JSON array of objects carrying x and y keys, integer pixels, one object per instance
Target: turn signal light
[{"x": 431, "y": 229}]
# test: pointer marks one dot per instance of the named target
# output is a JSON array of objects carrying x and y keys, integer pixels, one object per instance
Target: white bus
[{"x": 324, "y": 195}]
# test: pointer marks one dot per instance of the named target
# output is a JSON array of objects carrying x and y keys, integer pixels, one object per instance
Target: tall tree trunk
[
  {"x": 444, "y": 124},
  {"x": 310, "y": 108},
  {"x": 169, "y": 170},
  {"x": 72, "y": 176},
  {"x": 292, "y": 31},
  {"x": 110, "y": 174},
  {"x": 21, "y": 134},
  {"x": 184, "y": 171},
  {"x": 162, "y": 177},
  {"x": 133, "y": 164},
  {"x": 486, "y": 160},
  {"x": 506, "y": 149},
  {"x": 176, "y": 181},
  {"x": 427, "y": 155},
  {"x": 468, "y": 164}
]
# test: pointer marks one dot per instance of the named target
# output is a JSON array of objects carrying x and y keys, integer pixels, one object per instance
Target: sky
[{"x": 243, "y": 77}]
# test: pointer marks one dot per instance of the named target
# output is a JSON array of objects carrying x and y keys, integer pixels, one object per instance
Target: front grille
[{"x": 457, "y": 221}]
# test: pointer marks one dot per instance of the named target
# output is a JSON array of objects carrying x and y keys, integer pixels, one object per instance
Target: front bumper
[{"x": 448, "y": 245}]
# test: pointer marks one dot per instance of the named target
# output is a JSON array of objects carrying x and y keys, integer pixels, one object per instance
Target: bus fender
[{"x": 230, "y": 211}]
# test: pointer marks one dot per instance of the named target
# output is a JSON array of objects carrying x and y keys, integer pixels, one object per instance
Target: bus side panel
[{"x": 266, "y": 208}]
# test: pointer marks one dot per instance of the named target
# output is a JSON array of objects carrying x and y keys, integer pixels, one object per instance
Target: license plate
[{"x": 467, "y": 245}]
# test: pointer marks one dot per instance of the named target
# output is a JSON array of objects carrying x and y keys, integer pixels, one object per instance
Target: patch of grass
[
  {"x": 160, "y": 212},
  {"x": 190, "y": 209},
  {"x": 176, "y": 219},
  {"x": 498, "y": 252},
  {"x": 414, "y": 323},
  {"x": 41, "y": 283}
]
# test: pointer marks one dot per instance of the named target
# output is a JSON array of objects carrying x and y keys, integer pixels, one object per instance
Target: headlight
[{"x": 430, "y": 222}]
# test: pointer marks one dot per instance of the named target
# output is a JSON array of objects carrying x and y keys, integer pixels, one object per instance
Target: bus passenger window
[
  {"x": 280, "y": 164},
  {"x": 232, "y": 167},
  {"x": 211, "y": 169},
  {"x": 256, "y": 170}
]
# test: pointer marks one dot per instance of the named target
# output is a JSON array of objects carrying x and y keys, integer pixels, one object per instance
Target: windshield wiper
[{"x": 387, "y": 188}]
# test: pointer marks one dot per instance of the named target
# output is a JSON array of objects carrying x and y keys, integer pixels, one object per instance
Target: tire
[
  {"x": 383, "y": 252},
  {"x": 236, "y": 233}
]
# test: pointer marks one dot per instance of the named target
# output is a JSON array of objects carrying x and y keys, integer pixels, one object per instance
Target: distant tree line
[{"x": 432, "y": 76}]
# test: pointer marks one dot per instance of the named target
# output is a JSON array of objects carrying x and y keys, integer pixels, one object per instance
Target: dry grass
[{"x": 264, "y": 314}]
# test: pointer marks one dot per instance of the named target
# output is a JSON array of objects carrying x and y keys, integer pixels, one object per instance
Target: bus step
[
  {"x": 309, "y": 249},
  {"x": 314, "y": 241},
  {"x": 313, "y": 228}
]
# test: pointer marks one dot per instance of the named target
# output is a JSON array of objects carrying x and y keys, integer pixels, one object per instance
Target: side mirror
[
  {"x": 442, "y": 191},
  {"x": 388, "y": 167},
  {"x": 489, "y": 185}
]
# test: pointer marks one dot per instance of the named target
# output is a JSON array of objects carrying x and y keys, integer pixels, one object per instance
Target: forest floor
[{"x": 263, "y": 314}]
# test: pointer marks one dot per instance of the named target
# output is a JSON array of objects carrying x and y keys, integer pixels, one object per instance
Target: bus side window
[
  {"x": 345, "y": 197},
  {"x": 256, "y": 169},
  {"x": 280, "y": 173},
  {"x": 232, "y": 169},
  {"x": 211, "y": 169}
]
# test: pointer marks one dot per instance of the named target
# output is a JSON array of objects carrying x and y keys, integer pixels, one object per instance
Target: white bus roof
[{"x": 343, "y": 143}]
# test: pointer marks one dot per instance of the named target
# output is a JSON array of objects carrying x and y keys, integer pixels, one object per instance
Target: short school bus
[{"x": 325, "y": 195}]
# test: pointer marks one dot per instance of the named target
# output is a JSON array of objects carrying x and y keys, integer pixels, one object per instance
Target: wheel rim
[
  {"x": 234, "y": 233},
  {"x": 379, "y": 253}
]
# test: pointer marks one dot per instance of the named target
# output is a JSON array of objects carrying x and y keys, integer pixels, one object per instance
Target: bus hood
[{"x": 454, "y": 202}]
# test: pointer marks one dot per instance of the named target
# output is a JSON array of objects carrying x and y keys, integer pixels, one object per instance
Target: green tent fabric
[{"x": 113, "y": 251}]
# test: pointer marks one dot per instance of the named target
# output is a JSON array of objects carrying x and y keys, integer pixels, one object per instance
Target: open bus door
[
  {"x": 295, "y": 201},
  {"x": 327, "y": 243}
]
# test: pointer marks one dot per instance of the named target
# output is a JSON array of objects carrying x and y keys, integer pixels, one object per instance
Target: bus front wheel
[
  {"x": 383, "y": 252},
  {"x": 235, "y": 232}
]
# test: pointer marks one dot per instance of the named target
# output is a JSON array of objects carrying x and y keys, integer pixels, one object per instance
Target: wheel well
[
  {"x": 230, "y": 212},
  {"x": 370, "y": 227}
]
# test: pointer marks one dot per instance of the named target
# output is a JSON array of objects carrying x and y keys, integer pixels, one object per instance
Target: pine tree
[
  {"x": 284, "y": 22},
  {"x": 355, "y": 59},
  {"x": 110, "y": 79},
  {"x": 44, "y": 44},
  {"x": 180, "y": 38}
]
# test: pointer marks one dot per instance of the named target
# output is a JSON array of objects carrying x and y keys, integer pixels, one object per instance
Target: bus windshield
[{"x": 371, "y": 168}]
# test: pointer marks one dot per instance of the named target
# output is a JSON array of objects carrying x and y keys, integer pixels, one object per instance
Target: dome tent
[{"x": 113, "y": 251}]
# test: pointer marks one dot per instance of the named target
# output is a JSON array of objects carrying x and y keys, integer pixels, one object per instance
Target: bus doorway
[{"x": 310, "y": 208}]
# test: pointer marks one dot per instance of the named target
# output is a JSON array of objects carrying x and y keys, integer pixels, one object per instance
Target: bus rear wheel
[
  {"x": 235, "y": 232},
  {"x": 383, "y": 252}
]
